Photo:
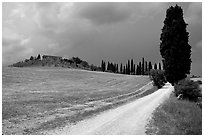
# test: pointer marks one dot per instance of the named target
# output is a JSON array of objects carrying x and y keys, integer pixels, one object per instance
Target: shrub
[
  {"x": 199, "y": 82},
  {"x": 188, "y": 89},
  {"x": 84, "y": 64},
  {"x": 158, "y": 77},
  {"x": 26, "y": 60},
  {"x": 31, "y": 58}
]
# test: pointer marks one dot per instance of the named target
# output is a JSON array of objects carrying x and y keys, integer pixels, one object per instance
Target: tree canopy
[{"x": 174, "y": 47}]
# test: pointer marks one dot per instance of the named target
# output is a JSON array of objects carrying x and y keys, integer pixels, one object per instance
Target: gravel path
[{"x": 129, "y": 119}]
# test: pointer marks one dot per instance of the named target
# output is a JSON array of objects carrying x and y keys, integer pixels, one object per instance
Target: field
[
  {"x": 176, "y": 117},
  {"x": 35, "y": 100}
]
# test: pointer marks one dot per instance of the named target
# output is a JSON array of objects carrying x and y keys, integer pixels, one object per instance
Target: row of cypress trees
[{"x": 130, "y": 68}]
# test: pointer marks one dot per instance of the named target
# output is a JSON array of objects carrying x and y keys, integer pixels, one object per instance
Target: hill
[{"x": 55, "y": 61}]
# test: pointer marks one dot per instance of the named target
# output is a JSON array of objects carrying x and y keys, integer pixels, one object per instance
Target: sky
[{"x": 113, "y": 31}]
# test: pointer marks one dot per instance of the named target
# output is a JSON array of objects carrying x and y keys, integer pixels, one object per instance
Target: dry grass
[
  {"x": 37, "y": 99},
  {"x": 176, "y": 117}
]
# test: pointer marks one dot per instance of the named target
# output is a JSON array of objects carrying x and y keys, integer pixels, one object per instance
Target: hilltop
[{"x": 55, "y": 61}]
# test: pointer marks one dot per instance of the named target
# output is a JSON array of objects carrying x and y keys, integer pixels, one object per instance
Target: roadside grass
[{"x": 176, "y": 117}]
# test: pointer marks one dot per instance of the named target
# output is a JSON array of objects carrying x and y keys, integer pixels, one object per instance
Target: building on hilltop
[{"x": 51, "y": 58}]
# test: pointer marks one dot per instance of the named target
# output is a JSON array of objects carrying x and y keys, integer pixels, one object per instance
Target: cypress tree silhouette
[
  {"x": 174, "y": 47},
  {"x": 143, "y": 66},
  {"x": 159, "y": 66},
  {"x": 128, "y": 67},
  {"x": 111, "y": 67},
  {"x": 137, "y": 70},
  {"x": 146, "y": 68},
  {"x": 116, "y": 68},
  {"x": 150, "y": 65},
  {"x": 132, "y": 66},
  {"x": 140, "y": 69},
  {"x": 103, "y": 65},
  {"x": 108, "y": 67},
  {"x": 121, "y": 68},
  {"x": 124, "y": 70},
  {"x": 155, "y": 66}
]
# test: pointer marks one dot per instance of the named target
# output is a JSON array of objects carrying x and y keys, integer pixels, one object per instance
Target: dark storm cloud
[{"x": 104, "y": 13}]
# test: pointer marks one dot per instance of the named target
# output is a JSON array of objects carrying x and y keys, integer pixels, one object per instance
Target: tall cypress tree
[
  {"x": 155, "y": 66},
  {"x": 146, "y": 68},
  {"x": 174, "y": 47},
  {"x": 108, "y": 67},
  {"x": 159, "y": 66},
  {"x": 116, "y": 70},
  {"x": 114, "y": 67},
  {"x": 121, "y": 68},
  {"x": 128, "y": 67},
  {"x": 137, "y": 70},
  {"x": 150, "y": 65},
  {"x": 111, "y": 67},
  {"x": 132, "y": 66},
  {"x": 143, "y": 67},
  {"x": 140, "y": 69},
  {"x": 124, "y": 70},
  {"x": 103, "y": 66}
]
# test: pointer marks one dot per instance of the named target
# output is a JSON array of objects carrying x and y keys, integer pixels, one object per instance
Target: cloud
[
  {"x": 46, "y": 15},
  {"x": 25, "y": 41},
  {"x": 13, "y": 50},
  {"x": 194, "y": 13},
  {"x": 111, "y": 13},
  {"x": 199, "y": 44},
  {"x": 8, "y": 38},
  {"x": 103, "y": 13},
  {"x": 11, "y": 37}
]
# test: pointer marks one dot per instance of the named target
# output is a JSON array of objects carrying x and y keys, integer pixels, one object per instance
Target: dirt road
[{"x": 129, "y": 119}]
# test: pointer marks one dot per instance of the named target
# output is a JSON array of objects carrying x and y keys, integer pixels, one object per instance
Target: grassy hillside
[
  {"x": 176, "y": 117},
  {"x": 38, "y": 99}
]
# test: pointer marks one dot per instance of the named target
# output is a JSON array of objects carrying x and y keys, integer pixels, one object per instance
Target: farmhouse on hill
[{"x": 48, "y": 57}]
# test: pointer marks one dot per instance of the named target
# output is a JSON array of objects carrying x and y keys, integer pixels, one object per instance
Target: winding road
[{"x": 129, "y": 119}]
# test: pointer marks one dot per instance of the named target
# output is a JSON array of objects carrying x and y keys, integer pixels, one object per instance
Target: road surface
[{"x": 129, "y": 119}]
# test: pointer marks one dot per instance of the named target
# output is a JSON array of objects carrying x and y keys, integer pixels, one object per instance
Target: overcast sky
[{"x": 93, "y": 31}]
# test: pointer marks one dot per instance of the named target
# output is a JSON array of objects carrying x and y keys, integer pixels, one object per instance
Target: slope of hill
[{"x": 43, "y": 98}]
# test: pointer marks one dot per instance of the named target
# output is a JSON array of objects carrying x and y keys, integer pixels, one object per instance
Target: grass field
[
  {"x": 35, "y": 100},
  {"x": 176, "y": 117}
]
